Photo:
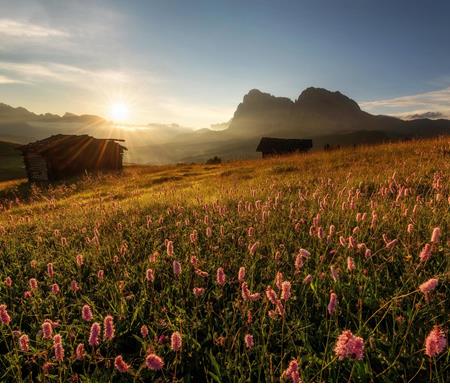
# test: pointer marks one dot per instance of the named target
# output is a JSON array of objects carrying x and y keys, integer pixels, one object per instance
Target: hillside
[
  {"x": 11, "y": 162},
  {"x": 227, "y": 272}
]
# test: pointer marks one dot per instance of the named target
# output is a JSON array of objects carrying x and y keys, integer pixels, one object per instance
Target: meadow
[{"x": 244, "y": 271}]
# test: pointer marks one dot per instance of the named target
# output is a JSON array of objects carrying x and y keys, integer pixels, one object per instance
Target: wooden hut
[
  {"x": 62, "y": 156},
  {"x": 271, "y": 146}
]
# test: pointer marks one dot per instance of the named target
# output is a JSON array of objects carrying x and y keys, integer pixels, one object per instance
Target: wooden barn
[
  {"x": 271, "y": 146},
  {"x": 62, "y": 156}
]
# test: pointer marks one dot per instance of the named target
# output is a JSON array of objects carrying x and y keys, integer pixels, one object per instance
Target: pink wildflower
[
  {"x": 198, "y": 291},
  {"x": 176, "y": 268},
  {"x": 144, "y": 331},
  {"x": 24, "y": 343},
  {"x": 252, "y": 248},
  {"x": 150, "y": 275},
  {"x": 285, "y": 290},
  {"x": 50, "y": 271},
  {"x": 435, "y": 236},
  {"x": 169, "y": 247},
  {"x": 249, "y": 343},
  {"x": 368, "y": 253},
  {"x": 279, "y": 279},
  {"x": 175, "y": 341},
  {"x": 120, "y": 364},
  {"x": 349, "y": 346},
  {"x": 79, "y": 352},
  {"x": 8, "y": 282},
  {"x": 94, "y": 335},
  {"x": 334, "y": 273},
  {"x": 332, "y": 304},
  {"x": 425, "y": 254},
  {"x": 308, "y": 279},
  {"x": 33, "y": 283},
  {"x": 410, "y": 228},
  {"x": 220, "y": 277},
  {"x": 55, "y": 288},
  {"x": 436, "y": 342},
  {"x": 74, "y": 286},
  {"x": 291, "y": 373},
  {"x": 79, "y": 259},
  {"x": 4, "y": 315},
  {"x": 100, "y": 274},
  {"x": 108, "y": 328},
  {"x": 241, "y": 274},
  {"x": 58, "y": 348},
  {"x": 271, "y": 295},
  {"x": 154, "y": 362},
  {"x": 47, "y": 330},
  {"x": 27, "y": 294},
  {"x": 86, "y": 313},
  {"x": 350, "y": 264}
]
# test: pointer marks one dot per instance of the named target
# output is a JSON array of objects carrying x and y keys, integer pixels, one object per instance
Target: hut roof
[
  {"x": 57, "y": 142},
  {"x": 272, "y": 144}
]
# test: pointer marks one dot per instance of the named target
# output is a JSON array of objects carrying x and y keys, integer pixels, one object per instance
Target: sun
[{"x": 119, "y": 111}]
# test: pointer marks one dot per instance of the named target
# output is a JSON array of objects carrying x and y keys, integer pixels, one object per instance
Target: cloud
[
  {"x": 427, "y": 101},
  {"x": 8, "y": 80},
  {"x": 13, "y": 28}
]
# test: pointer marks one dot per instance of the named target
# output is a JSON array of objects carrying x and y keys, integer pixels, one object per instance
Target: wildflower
[
  {"x": 208, "y": 231},
  {"x": 79, "y": 259},
  {"x": 8, "y": 282},
  {"x": 58, "y": 348},
  {"x": 47, "y": 330},
  {"x": 279, "y": 279},
  {"x": 350, "y": 264},
  {"x": 55, "y": 288},
  {"x": 194, "y": 260},
  {"x": 74, "y": 286},
  {"x": 241, "y": 274},
  {"x": 435, "y": 236},
  {"x": 4, "y": 315},
  {"x": 436, "y": 342},
  {"x": 108, "y": 328},
  {"x": 50, "y": 271},
  {"x": 351, "y": 242},
  {"x": 391, "y": 244},
  {"x": 79, "y": 351},
  {"x": 425, "y": 254},
  {"x": 198, "y": 291},
  {"x": 349, "y": 346},
  {"x": 279, "y": 307},
  {"x": 342, "y": 241},
  {"x": 410, "y": 228},
  {"x": 368, "y": 253},
  {"x": 120, "y": 364},
  {"x": 176, "y": 268},
  {"x": 249, "y": 317},
  {"x": 94, "y": 335},
  {"x": 308, "y": 279},
  {"x": 332, "y": 304},
  {"x": 247, "y": 295},
  {"x": 298, "y": 263},
  {"x": 220, "y": 276},
  {"x": 175, "y": 341},
  {"x": 100, "y": 274},
  {"x": 334, "y": 273},
  {"x": 24, "y": 343},
  {"x": 33, "y": 283},
  {"x": 271, "y": 295},
  {"x": 252, "y": 248},
  {"x": 291, "y": 373},
  {"x": 249, "y": 343},
  {"x": 144, "y": 331},
  {"x": 427, "y": 287},
  {"x": 150, "y": 275},
  {"x": 201, "y": 273},
  {"x": 154, "y": 362},
  {"x": 285, "y": 290},
  {"x": 86, "y": 313},
  {"x": 27, "y": 294},
  {"x": 169, "y": 248}
]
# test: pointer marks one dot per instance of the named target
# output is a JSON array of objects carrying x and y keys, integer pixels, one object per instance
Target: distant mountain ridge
[{"x": 324, "y": 116}]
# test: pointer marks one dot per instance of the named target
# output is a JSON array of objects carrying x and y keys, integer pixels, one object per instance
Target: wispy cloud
[
  {"x": 8, "y": 80},
  {"x": 432, "y": 101},
  {"x": 13, "y": 28}
]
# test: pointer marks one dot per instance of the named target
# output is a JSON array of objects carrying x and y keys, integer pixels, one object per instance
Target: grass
[{"x": 121, "y": 225}]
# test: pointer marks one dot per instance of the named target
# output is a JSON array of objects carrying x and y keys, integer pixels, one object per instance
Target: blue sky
[{"x": 191, "y": 62}]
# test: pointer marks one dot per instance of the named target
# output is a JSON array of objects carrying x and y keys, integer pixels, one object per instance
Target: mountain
[{"x": 324, "y": 116}]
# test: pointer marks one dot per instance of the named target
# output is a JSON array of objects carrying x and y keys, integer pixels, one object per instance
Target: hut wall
[{"x": 36, "y": 167}]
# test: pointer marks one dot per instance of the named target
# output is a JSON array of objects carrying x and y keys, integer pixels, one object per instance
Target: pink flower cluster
[{"x": 349, "y": 346}]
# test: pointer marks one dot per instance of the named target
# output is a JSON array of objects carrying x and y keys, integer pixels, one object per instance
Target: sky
[{"x": 191, "y": 62}]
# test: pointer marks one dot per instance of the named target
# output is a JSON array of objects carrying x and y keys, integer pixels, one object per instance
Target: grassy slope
[
  {"x": 11, "y": 162},
  {"x": 378, "y": 301}
]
